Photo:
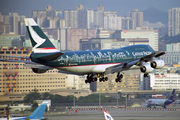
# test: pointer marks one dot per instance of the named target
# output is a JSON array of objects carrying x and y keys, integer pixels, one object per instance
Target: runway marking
[
  {"x": 152, "y": 109},
  {"x": 82, "y": 109}
]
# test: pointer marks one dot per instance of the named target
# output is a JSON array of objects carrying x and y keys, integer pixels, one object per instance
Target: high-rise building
[
  {"x": 137, "y": 16},
  {"x": 112, "y": 22},
  {"x": 73, "y": 38},
  {"x": 48, "y": 17},
  {"x": 127, "y": 23},
  {"x": 174, "y": 21},
  {"x": 99, "y": 17},
  {"x": 71, "y": 18},
  {"x": 110, "y": 13},
  {"x": 173, "y": 47},
  {"x": 90, "y": 19},
  {"x": 1, "y": 17},
  {"x": 4, "y": 28},
  {"x": 171, "y": 57},
  {"x": 82, "y": 19},
  {"x": 14, "y": 19}
]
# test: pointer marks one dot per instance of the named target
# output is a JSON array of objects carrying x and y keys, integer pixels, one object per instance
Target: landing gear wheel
[
  {"x": 119, "y": 77},
  {"x": 118, "y": 80},
  {"x": 146, "y": 75}
]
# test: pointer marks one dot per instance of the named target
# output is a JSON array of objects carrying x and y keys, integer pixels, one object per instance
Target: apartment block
[
  {"x": 6, "y": 39},
  {"x": 137, "y": 16},
  {"x": 71, "y": 18},
  {"x": 171, "y": 57},
  {"x": 174, "y": 21},
  {"x": 112, "y": 22},
  {"x": 151, "y": 35},
  {"x": 129, "y": 82},
  {"x": 4, "y": 28}
]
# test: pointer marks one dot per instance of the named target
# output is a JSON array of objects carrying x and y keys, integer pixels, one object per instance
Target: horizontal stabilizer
[
  {"x": 21, "y": 57},
  {"x": 51, "y": 57},
  {"x": 36, "y": 65}
]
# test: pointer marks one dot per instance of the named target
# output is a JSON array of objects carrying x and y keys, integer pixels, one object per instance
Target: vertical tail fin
[
  {"x": 172, "y": 95},
  {"x": 107, "y": 116},
  {"x": 39, "y": 41},
  {"x": 38, "y": 113}
]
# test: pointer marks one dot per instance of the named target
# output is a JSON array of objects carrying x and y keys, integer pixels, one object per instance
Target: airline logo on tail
[
  {"x": 107, "y": 116},
  {"x": 36, "y": 38},
  {"x": 39, "y": 41}
]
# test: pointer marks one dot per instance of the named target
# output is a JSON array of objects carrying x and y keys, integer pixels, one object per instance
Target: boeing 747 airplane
[
  {"x": 36, "y": 115},
  {"x": 93, "y": 63},
  {"x": 160, "y": 102}
]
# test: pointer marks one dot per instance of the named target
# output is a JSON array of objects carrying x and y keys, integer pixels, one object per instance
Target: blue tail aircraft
[
  {"x": 160, "y": 102},
  {"x": 96, "y": 64},
  {"x": 36, "y": 115}
]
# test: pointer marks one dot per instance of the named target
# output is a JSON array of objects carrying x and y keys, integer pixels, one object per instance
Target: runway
[{"x": 119, "y": 114}]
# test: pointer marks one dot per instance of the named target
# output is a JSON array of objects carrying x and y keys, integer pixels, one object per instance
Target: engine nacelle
[
  {"x": 38, "y": 70},
  {"x": 146, "y": 68},
  {"x": 157, "y": 64}
]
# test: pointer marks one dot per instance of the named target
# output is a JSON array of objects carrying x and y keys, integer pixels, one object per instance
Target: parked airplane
[
  {"x": 107, "y": 116},
  {"x": 160, "y": 102},
  {"x": 94, "y": 63},
  {"x": 36, "y": 115}
]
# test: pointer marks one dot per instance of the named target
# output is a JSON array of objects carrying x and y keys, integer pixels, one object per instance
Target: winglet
[
  {"x": 38, "y": 113},
  {"x": 107, "y": 116}
]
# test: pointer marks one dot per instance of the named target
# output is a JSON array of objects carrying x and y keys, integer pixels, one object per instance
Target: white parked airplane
[
  {"x": 160, "y": 102},
  {"x": 107, "y": 116},
  {"x": 36, "y": 115}
]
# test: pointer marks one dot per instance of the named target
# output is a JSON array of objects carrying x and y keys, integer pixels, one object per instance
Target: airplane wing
[
  {"x": 27, "y": 63},
  {"x": 71, "y": 73},
  {"x": 155, "y": 54},
  {"x": 126, "y": 66}
]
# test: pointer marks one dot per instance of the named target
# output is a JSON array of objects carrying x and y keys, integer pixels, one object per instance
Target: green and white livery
[{"x": 94, "y": 63}]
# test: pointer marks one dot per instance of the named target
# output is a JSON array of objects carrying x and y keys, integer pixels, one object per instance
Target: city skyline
[{"x": 121, "y": 6}]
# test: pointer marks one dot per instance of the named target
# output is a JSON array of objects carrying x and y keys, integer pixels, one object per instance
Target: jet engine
[
  {"x": 38, "y": 70},
  {"x": 146, "y": 68},
  {"x": 157, "y": 64}
]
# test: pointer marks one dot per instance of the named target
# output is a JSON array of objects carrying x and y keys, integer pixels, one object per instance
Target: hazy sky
[{"x": 25, "y": 7}]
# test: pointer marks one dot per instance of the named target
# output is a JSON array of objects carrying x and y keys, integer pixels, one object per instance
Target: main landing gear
[
  {"x": 93, "y": 78},
  {"x": 119, "y": 77},
  {"x": 146, "y": 74}
]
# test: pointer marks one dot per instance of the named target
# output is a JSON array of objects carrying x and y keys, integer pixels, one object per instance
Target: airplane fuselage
[{"x": 95, "y": 61}]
